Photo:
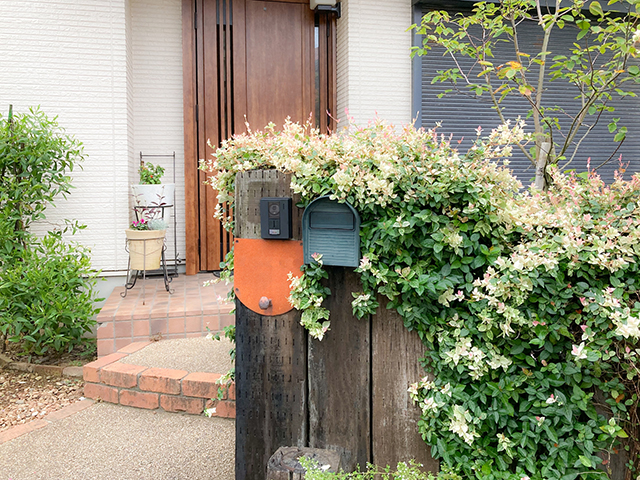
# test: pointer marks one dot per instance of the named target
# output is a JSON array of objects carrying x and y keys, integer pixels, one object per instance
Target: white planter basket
[{"x": 153, "y": 195}]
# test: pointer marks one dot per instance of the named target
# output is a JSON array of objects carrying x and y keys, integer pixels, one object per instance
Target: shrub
[
  {"x": 47, "y": 298},
  {"x": 47, "y": 286},
  {"x": 527, "y": 304}
]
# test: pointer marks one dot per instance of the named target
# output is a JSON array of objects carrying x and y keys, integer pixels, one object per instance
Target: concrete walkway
[
  {"x": 114, "y": 442},
  {"x": 102, "y": 440}
]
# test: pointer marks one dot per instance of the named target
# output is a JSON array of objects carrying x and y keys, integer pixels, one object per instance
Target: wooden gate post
[
  {"x": 346, "y": 393},
  {"x": 340, "y": 377},
  {"x": 395, "y": 358},
  {"x": 271, "y": 401}
]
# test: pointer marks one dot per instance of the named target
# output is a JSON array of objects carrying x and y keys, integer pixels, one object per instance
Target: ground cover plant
[
  {"x": 527, "y": 302},
  {"x": 47, "y": 285}
]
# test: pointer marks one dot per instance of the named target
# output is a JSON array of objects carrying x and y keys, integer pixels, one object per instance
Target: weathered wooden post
[
  {"x": 271, "y": 390},
  {"x": 395, "y": 358}
]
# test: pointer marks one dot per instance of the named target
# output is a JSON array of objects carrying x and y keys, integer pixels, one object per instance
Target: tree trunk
[{"x": 542, "y": 159}]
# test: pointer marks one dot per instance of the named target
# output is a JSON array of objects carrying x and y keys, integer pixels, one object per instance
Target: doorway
[{"x": 254, "y": 59}]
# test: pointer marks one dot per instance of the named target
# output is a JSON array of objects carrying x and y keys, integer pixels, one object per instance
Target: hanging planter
[{"x": 145, "y": 248}]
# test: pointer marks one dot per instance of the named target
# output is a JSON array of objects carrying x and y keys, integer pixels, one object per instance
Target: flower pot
[
  {"x": 153, "y": 195},
  {"x": 145, "y": 248}
]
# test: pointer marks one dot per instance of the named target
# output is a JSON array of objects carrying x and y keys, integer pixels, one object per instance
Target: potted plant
[
  {"x": 145, "y": 239},
  {"x": 151, "y": 192}
]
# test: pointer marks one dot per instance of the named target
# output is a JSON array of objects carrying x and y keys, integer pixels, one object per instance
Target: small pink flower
[
  {"x": 583, "y": 301},
  {"x": 627, "y": 349},
  {"x": 583, "y": 327}
]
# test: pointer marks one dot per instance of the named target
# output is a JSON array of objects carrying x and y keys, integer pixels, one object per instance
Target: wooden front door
[{"x": 254, "y": 59}]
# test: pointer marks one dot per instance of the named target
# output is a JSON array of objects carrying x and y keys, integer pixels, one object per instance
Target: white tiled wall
[
  {"x": 374, "y": 64},
  {"x": 156, "y": 42},
  {"x": 70, "y": 58},
  {"x": 111, "y": 70}
]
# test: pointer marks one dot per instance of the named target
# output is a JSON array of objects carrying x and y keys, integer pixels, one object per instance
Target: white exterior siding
[
  {"x": 111, "y": 70},
  {"x": 70, "y": 58},
  {"x": 157, "y": 95},
  {"x": 374, "y": 64}
]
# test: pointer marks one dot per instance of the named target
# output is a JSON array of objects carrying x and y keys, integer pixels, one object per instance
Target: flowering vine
[{"x": 527, "y": 303}]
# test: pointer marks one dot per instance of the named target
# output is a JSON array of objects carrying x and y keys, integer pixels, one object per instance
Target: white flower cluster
[
  {"x": 627, "y": 325},
  {"x": 459, "y": 424}
]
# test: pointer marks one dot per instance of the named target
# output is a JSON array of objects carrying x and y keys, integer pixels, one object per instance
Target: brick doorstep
[{"x": 136, "y": 386}]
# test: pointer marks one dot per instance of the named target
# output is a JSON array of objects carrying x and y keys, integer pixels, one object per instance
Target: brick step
[{"x": 108, "y": 380}]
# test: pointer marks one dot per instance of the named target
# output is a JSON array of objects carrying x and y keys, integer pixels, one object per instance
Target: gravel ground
[
  {"x": 29, "y": 396},
  {"x": 108, "y": 441}
]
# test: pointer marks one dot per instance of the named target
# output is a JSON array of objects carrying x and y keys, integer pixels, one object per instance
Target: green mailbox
[{"x": 332, "y": 229}]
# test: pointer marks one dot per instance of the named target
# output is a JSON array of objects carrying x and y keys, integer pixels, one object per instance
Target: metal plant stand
[
  {"x": 138, "y": 209},
  {"x": 132, "y": 274}
]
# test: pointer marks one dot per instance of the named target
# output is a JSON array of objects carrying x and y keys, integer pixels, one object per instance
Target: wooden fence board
[
  {"x": 395, "y": 365},
  {"x": 339, "y": 377},
  {"x": 271, "y": 402}
]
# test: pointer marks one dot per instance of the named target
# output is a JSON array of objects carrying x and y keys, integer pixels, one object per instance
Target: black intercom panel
[{"x": 275, "y": 218}]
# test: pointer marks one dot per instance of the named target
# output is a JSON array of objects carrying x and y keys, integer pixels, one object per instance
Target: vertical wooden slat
[
  {"x": 228, "y": 42},
  {"x": 239, "y": 65},
  {"x": 322, "y": 72},
  {"x": 227, "y": 238},
  {"x": 395, "y": 357},
  {"x": 339, "y": 377},
  {"x": 189, "y": 62},
  {"x": 332, "y": 76},
  {"x": 209, "y": 134},
  {"x": 308, "y": 79}
]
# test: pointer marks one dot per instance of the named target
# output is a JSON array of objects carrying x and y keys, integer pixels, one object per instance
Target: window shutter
[{"x": 460, "y": 113}]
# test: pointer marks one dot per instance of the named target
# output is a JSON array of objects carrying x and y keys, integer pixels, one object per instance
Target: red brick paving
[{"x": 191, "y": 310}]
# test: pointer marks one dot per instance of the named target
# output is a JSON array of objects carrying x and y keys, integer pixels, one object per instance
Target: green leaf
[
  {"x": 585, "y": 461},
  {"x": 595, "y": 9}
]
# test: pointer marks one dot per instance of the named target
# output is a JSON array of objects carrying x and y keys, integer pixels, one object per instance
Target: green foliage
[
  {"x": 412, "y": 471},
  {"x": 228, "y": 332},
  {"x": 151, "y": 224},
  {"x": 46, "y": 298},
  {"x": 307, "y": 295},
  {"x": 35, "y": 161},
  {"x": 47, "y": 286},
  {"x": 150, "y": 174},
  {"x": 528, "y": 304},
  {"x": 599, "y": 64}
]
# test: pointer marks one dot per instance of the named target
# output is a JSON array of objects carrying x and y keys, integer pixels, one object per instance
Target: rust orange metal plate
[{"x": 260, "y": 269}]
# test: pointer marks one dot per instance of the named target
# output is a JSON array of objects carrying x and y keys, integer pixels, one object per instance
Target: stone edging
[
  {"x": 74, "y": 372},
  {"x": 108, "y": 380},
  {"x": 19, "y": 430}
]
